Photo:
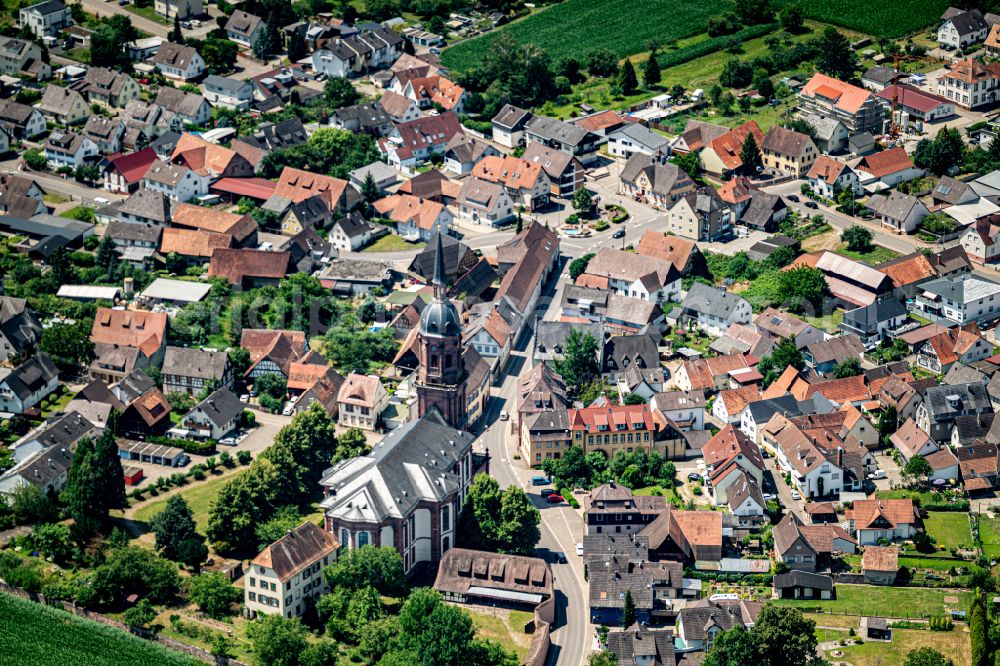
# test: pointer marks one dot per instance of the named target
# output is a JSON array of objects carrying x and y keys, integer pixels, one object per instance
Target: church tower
[{"x": 441, "y": 375}]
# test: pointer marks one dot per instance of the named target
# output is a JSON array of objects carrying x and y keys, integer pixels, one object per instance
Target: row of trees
[{"x": 637, "y": 469}]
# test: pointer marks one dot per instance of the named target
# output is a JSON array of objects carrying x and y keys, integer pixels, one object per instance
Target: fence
[
  {"x": 545, "y": 615},
  {"x": 79, "y": 611}
]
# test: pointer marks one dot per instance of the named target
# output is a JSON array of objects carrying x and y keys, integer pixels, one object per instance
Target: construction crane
[{"x": 894, "y": 128}]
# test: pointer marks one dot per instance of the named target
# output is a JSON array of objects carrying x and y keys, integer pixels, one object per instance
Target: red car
[{"x": 554, "y": 499}]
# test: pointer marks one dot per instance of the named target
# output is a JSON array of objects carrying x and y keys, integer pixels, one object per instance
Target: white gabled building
[{"x": 289, "y": 572}]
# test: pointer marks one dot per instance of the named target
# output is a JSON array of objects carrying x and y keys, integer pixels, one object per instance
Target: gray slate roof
[{"x": 702, "y": 298}]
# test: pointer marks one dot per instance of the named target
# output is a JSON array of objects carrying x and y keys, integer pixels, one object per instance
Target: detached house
[
  {"x": 788, "y": 152},
  {"x": 106, "y": 133},
  {"x": 192, "y": 370},
  {"x": 415, "y": 217},
  {"x": 24, "y": 386},
  {"x": 125, "y": 341},
  {"x": 943, "y": 404},
  {"x": 636, "y": 276},
  {"x": 228, "y": 93},
  {"x": 20, "y": 120},
  {"x": 653, "y": 181},
  {"x": 828, "y": 176},
  {"x": 898, "y": 212},
  {"x": 179, "y": 8},
  {"x": 64, "y": 106},
  {"x": 287, "y": 576},
  {"x": 19, "y": 57},
  {"x": 351, "y": 233},
  {"x": 963, "y": 29},
  {"x": 215, "y": 417},
  {"x": 970, "y": 84},
  {"x": 562, "y": 136},
  {"x": 45, "y": 19},
  {"x": 508, "y": 126},
  {"x": 525, "y": 182},
  {"x": 176, "y": 182},
  {"x": 957, "y": 345},
  {"x": 108, "y": 87},
  {"x": 361, "y": 401},
  {"x": 20, "y": 330},
  {"x": 565, "y": 172},
  {"x": 721, "y": 157},
  {"x": 713, "y": 310},
  {"x": 982, "y": 240},
  {"x": 243, "y": 28},
  {"x": 69, "y": 149},
  {"x": 175, "y": 61},
  {"x": 873, "y": 519},
  {"x": 188, "y": 108},
  {"x": 889, "y": 167},
  {"x": 412, "y": 143},
  {"x": 483, "y": 202},
  {"x": 702, "y": 215}
]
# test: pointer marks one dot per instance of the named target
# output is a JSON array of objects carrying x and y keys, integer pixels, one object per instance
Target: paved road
[
  {"x": 53, "y": 184},
  {"x": 153, "y": 28},
  {"x": 562, "y": 527}
]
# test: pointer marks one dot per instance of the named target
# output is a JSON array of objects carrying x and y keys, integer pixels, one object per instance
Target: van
[
  {"x": 540, "y": 481},
  {"x": 101, "y": 201}
]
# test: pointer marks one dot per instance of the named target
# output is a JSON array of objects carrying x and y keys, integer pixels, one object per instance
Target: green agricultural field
[
  {"x": 880, "y": 18},
  {"x": 36, "y": 635},
  {"x": 575, "y": 27}
]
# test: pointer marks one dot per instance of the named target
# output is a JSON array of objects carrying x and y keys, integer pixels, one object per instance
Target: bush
[{"x": 601, "y": 225}]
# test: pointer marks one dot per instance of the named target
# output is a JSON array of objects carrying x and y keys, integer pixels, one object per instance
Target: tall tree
[
  {"x": 857, "y": 238},
  {"x": 176, "y": 36},
  {"x": 107, "y": 257},
  {"x": 651, "y": 71},
  {"x": 519, "y": 533},
  {"x": 378, "y": 568},
  {"x": 836, "y": 58},
  {"x": 628, "y": 610},
  {"x": 627, "y": 80},
  {"x": 750, "y": 155},
  {"x": 926, "y": 657},
  {"x": 783, "y": 636},
  {"x": 277, "y": 640},
  {"x": 978, "y": 628},
  {"x": 369, "y": 189},
  {"x": 83, "y": 501},
  {"x": 888, "y": 423},
  {"x": 733, "y": 648},
  {"x": 213, "y": 593},
  {"x": 177, "y": 537},
  {"x": 785, "y": 354},
  {"x": 108, "y": 464},
  {"x": 579, "y": 365}
]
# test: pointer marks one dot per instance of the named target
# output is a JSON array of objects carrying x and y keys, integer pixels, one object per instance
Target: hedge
[{"x": 715, "y": 45}]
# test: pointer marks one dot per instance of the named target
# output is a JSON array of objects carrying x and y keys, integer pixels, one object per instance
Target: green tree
[
  {"x": 107, "y": 256},
  {"x": 35, "y": 159},
  {"x": 277, "y": 640},
  {"x": 782, "y": 635},
  {"x": 222, "y": 647},
  {"x": 53, "y": 541},
  {"x": 580, "y": 364},
  {"x": 651, "y": 71},
  {"x": 266, "y": 43},
  {"x": 762, "y": 83},
  {"x": 689, "y": 163},
  {"x": 888, "y": 422},
  {"x": 634, "y": 399},
  {"x": 627, "y": 79},
  {"x": 786, "y": 353},
  {"x": 754, "y": 12},
  {"x": 339, "y": 92},
  {"x": 68, "y": 344},
  {"x": 141, "y": 615},
  {"x": 240, "y": 358},
  {"x": 947, "y": 150},
  {"x": 978, "y": 627},
  {"x": 792, "y": 18},
  {"x": 432, "y": 633},
  {"x": 750, "y": 156},
  {"x": 176, "y": 35},
  {"x": 926, "y": 657},
  {"x": 83, "y": 502},
  {"x": 271, "y": 391},
  {"x": 369, "y": 189},
  {"x": 601, "y": 63},
  {"x": 213, "y": 593},
  {"x": 351, "y": 444},
  {"x": 628, "y": 610},
  {"x": 836, "y": 58},
  {"x": 857, "y": 238},
  {"x": 801, "y": 285},
  {"x": 582, "y": 201},
  {"x": 733, "y": 648},
  {"x": 176, "y": 535},
  {"x": 519, "y": 520},
  {"x": 605, "y": 658},
  {"x": 917, "y": 468},
  {"x": 849, "y": 367},
  {"x": 368, "y": 566},
  {"x": 134, "y": 570},
  {"x": 578, "y": 266},
  {"x": 30, "y": 505}
]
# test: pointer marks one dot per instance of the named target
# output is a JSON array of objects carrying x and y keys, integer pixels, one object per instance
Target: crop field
[
  {"x": 879, "y": 18},
  {"x": 36, "y": 635},
  {"x": 575, "y": 27}
]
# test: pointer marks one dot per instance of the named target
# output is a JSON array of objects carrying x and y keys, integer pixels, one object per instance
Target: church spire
[{"x": 439, "y": 267}]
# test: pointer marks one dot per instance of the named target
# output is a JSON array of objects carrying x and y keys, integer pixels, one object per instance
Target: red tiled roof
[
  {"x": 133, "y": 166},
  {"x": 255, "y": 188},
  {"x": 886, "y": 162},
  {"x": 729, "y": 145},
  {"x": 237, "y": 264}
]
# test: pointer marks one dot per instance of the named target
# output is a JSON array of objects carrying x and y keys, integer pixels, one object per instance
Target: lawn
[
  {"x": 876, "y": 255},
  {"x": 827, "y": 635},
  {"x": 955, "y": 644},
  {"x": 885, "y": 601},
  {"x": 507, "y": 632},
  {"x": 829, "y": 323},
  {"x": 81, "y": 213},
  {"x": 392, "y": 243},
  {"x": 949, "y": 528},
  {"x": 199, "y": 496},
  {"x": 575, "y": 27},
  {"x": 36, "y": 635},
  {"x": 989, "y": 534},
  {"x": 149, "y": 12}
]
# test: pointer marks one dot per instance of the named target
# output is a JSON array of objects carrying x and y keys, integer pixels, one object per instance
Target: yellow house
[
  {"x": 305, "y": 214},
  {"x": 789, "y": 152},
  {"x": 63, "y": 105}
]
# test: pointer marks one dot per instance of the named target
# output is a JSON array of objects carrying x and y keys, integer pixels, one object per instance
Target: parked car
[
  {"x": 796, "y": 495},
  {"x": 694, "y": 476},
  {"x": 579, "y": 549},
  {"x": 811, "y": 204},
  {"x": 289, "y": 408},
  {"x": 794, "y": 197},
  {"x": 561, "y": 557},
  {"x": 877, "y": 474},
  {"x": 554, "y": 498},
  {"x": 245, "y": 398},
  {"x": 228, "y": 441},
  {"x": 547, "y": 491},
  {"x": 504, "y": 415},
  {"x": 540, "y": 481}
]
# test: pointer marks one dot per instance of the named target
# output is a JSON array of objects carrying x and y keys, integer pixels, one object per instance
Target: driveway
[{"x": 783, "y": 490}]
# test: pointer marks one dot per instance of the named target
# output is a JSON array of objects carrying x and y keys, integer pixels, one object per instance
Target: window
[
  {"x": 362, "y": 539},
  {"x": 446, "y": 518},
  {"x": 345, "y": 537},
  {"x": 253, "y": 582}
]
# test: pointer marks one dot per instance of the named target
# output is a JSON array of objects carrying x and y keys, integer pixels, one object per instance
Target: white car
[
  {"x": 245, "y": 398},
  {"x": 504, "y": 415},
  {"x": 579, "y": 549},
  {"x": 877, "y": 474},
  {"x": 289, "y": 408},
  {"x": 796, "y": 495}
]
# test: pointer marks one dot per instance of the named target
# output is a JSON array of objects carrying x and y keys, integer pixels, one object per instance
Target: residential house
[
  {"x": 634, "y": 138},
  {"x": 415, "y": 217},
  {"x": 367, "y": 118},
  {"x": 435, "y": 92},
  {"x": 832, "y": 135},
  {"x": 700, "y": 622},
  {"x": 412, "y": 143},
  {"x": 889, "y": 167},
  {"x": 729, "y": 454},
  {"x": 611, "y": 508},
  {"x": 717, "y": 373},
  {"x": 361, "y": 401},
  {"x": 879, "y": 566},
  {"x": 176, "y": 61},
  {"x": 135, "y": 242},
  {"x": 20, "y": 330},
  {"x": 27, "y": 384},
  {"x": 877, "y": 78},
  {"x": 697, "y": 535},
  {"x": 215, "y": 417},
  {"x": 243, "y": 28},
  {"x": 819, "y": 462},
  {"x": 244, "y": 268},
  {"x": 189, "y": 108},
  {"x": 776, "y": 326},
  {"x": 828, "y": 176},
  {"x": 612, "y": 428},
  {"x": 105, "y": 133},
  {"x": 873, "y": 519},
  {"x": 856, "y": 108},
  {"x": 190, "y": 371},
  {"x": 908, "y": 273},
  {"x": 963, "y": 345},
  {"x": 970, "y": 84},
  {"x": 64, "y": 106},
  {"x": 381, "y": 498},
  {"x": 971, "y": 429},
  {"x": 351, "y": 232},
  {"x": 637, "y": 643},
  {"x": 125, "y": 341},
  {"x": 482, "y": 202},
  {"x": 479, "y": 577},
  {"x": 287, "y": 577},
  {"x": 713, "y": 310},
  {"x": 525, "y": 182},
  {"x": 636, "y": 276},
  {"x": 722, "y": 156},
  {"x": 803, "y": 585},
  {"x": 872, "y": 323},
  {"x": 45, "y": 19},
  {"x": 562, "y": 136},
  {"x": 297, "y": 185},
  {"x": 269, "y": 137},
  {"x": 848, "y": 280},
  {"x": 900, "y": 395},
  {"x": 20, "y": 120},
  {"x": 490, "y": 334},
  {"x": 684, "y": 408},
  {"x": 565, "y": 172},
  {"x": 681, "y": 252},
  {"x": 228, "y": 93},
  {"x": 701, "y": 215},
  {"x": 174, "y": 181},
  {"x": 728, "y": 406},
  {"x": 653, "y": 586},
  {"x": 979, "y": 466},
  {"x": 399, "y": 108},
  {"x": 941, "y": 405},
  {"x": 963, "y": 29},
  {"x": 982, "y": 239},
  {"x": 919, "y": 106},
  {"x": 147, "y": 207},
  {"x": 508, "y": 126},
  {"x": 272, "y": 351},
  {"x": 69, "y": 149},
  {"x": 765, "y": 211},
  {"x": 464, "y": 152},
  {"x": 810, "y": 548},
  {"x": 898, "y": 212},
  {"x": 788, "y": 152},
  {"x": 19, "y": 57},
  {"x": 959, "y": 299},
  {"x": 824, "y": 356},
  {"x": 108, "y": 87},
  {"x": 178, "y": 8},
  {"x": 654, "y": 182},
  {"x": 124, "y": 173}
]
